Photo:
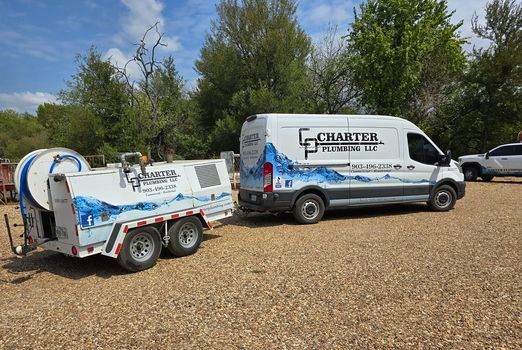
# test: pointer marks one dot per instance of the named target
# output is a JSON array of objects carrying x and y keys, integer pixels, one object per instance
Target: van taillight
[{"x": 267, "y": 177}]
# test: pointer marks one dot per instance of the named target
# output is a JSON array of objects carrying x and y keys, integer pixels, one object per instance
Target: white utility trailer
[{"x": 128, "y": 212}]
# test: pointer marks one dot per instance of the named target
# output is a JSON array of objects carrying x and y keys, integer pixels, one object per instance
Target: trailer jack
[{"x": 27, "y": 247}]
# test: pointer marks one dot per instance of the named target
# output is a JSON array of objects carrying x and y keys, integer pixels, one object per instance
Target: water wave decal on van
[
  {"x": 284, "y": 167},
  {"x": 86, "y": 205}
]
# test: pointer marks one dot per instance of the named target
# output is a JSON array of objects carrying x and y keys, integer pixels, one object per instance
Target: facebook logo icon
[{"x": 87, "y": 220}]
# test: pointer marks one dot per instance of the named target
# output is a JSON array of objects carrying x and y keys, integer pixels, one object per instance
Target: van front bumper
[{"x": 261, "y": 201}]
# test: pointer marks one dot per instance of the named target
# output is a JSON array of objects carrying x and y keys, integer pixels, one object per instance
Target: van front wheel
[
  {"x": 443, "y": 198},
  {"x": 308, "y": 209}
]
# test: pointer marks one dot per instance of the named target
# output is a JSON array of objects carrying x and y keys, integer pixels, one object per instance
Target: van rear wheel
[
  {"x": 443, "y": 198},
  {"x": 308, "y": 209}
]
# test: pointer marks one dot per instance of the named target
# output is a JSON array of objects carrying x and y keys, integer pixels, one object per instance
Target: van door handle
[
  {"x": 410, "y": 167},
  {"x": 397, "y": 166}
]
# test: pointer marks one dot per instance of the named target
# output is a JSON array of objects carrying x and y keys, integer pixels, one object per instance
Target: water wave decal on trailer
[
  {"x": 286, "y": 168},
  {"x": 92, "y": 211}
]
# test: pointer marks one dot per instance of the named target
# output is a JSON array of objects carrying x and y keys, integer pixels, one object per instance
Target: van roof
[{"x": 362, "y": 116}]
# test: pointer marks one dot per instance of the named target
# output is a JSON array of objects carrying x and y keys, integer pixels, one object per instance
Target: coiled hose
[{"x": 23, "y": 178}]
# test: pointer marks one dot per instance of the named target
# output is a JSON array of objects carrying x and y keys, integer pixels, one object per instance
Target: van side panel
[{"x": 311, "y": 152}]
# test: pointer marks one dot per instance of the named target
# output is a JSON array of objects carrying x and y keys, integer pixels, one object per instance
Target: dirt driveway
[{"x": 397, "y": 276}]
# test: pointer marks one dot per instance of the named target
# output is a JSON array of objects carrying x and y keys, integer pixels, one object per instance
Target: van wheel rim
[
  {"x": 188, "y": 235},
  {"x": 142, "y": 247},
  {"x": 443, "y": 199},
  {"x": 310, "y": 209}
]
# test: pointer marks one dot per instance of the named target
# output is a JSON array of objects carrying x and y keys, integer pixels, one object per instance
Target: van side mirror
[{"x": 445, "y": 159}]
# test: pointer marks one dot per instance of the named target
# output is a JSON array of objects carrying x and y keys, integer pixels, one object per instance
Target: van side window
[{"x": 421, "y": 150}]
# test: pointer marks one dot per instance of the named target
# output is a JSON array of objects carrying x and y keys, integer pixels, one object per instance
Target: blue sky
[{"x": 39, "y": 40}]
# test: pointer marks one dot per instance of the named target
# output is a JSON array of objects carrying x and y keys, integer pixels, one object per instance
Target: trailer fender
[{"x": 119, "y": 230}]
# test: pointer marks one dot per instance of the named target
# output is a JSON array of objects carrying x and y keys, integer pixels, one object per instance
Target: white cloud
[
  {"x": 119, "y": 59},
  {"x": 141, "y": 15},
  {"x": 464, "y": 11},
  {"x": 334, "y": 13},
  {"x": 318, "y": 16},
  {"x": 25, "y": 101}
]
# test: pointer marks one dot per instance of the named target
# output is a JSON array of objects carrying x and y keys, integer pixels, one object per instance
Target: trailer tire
[
  {"x": 308, "y": 209},
  {"x": 140, "y": 249},
  {"x": 185, "y": 236}
]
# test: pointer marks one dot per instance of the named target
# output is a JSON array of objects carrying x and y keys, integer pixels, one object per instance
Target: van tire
[
  {"x": 308, "y": 209},
  {"x": 470, "y": 173},
  {"x": 140, "y": 249},
  {"x": 443, "y": 198},
  {"x": 185, "y": 236}
]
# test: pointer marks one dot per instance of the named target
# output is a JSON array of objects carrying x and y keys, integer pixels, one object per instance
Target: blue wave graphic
[
  {"x": 86, "y": 205},
  {"x": 283, "y": 167}
]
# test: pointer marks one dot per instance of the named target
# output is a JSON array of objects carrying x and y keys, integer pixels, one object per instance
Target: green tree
[
  {"x": 405, "y": 52},
  {"x": 331, "y": 78},
  {"x": 72, "y": 126},
  {"x": 253, "y": 61},
  {"x": 97, "y": 88},
  {"x": 20, "y": 134},
  {"x": 487, "y": 107}
]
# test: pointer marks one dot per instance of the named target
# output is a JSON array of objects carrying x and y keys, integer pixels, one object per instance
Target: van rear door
[{"x": 253, "y": 140}]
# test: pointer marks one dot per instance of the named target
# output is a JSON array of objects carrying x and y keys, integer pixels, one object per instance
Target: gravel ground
[{"x": 390, "y": 277}]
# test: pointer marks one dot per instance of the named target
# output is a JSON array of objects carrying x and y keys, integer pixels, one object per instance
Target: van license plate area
[{"x": 253, "y": 197}]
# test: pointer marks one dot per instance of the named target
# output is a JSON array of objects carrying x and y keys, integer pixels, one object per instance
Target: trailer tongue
[{"x": 128, "y": 212}]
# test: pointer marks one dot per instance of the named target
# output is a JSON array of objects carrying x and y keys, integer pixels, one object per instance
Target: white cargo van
[{"x": 309, "y": 163}]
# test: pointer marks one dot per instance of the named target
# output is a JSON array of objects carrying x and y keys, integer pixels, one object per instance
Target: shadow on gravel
[
  {"x": 502, "y": 182},
  {"x": 255, "y": 220},
  {"x": 61, "y": 265},
  {"x": 66, "y": 266}
]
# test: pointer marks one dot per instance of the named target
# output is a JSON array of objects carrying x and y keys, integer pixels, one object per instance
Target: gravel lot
[{"x": 389, "y": 277}]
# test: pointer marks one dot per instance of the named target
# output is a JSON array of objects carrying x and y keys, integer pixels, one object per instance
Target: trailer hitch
[{"x": 27, "y": 246}]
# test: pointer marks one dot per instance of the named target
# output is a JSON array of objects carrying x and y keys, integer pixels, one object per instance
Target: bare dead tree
[
  {"x": 330, "y": 73},
  {"x": 145, "y": 59}
]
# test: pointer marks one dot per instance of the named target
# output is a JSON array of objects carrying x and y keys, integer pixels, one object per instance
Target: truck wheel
[
  {"x": 185, "y": 236},
  {"x": 443, "y": 198},
  {"x": 308, "y": 209},
  {"x": 470, "y": 173},
  {"x": 486, "y": 178},
  {"x": 140, "y": 249}
]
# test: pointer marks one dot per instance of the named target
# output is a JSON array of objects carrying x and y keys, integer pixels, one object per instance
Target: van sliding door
[{"x": 376, "y": 162}]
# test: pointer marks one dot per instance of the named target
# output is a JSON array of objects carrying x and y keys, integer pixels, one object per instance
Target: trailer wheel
[
  {"x": 185, "y": 236},
  {"x": 443, "y": 198},
  {"x": 140, "y": 249},
  {"x": 308, "y": 209}
]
